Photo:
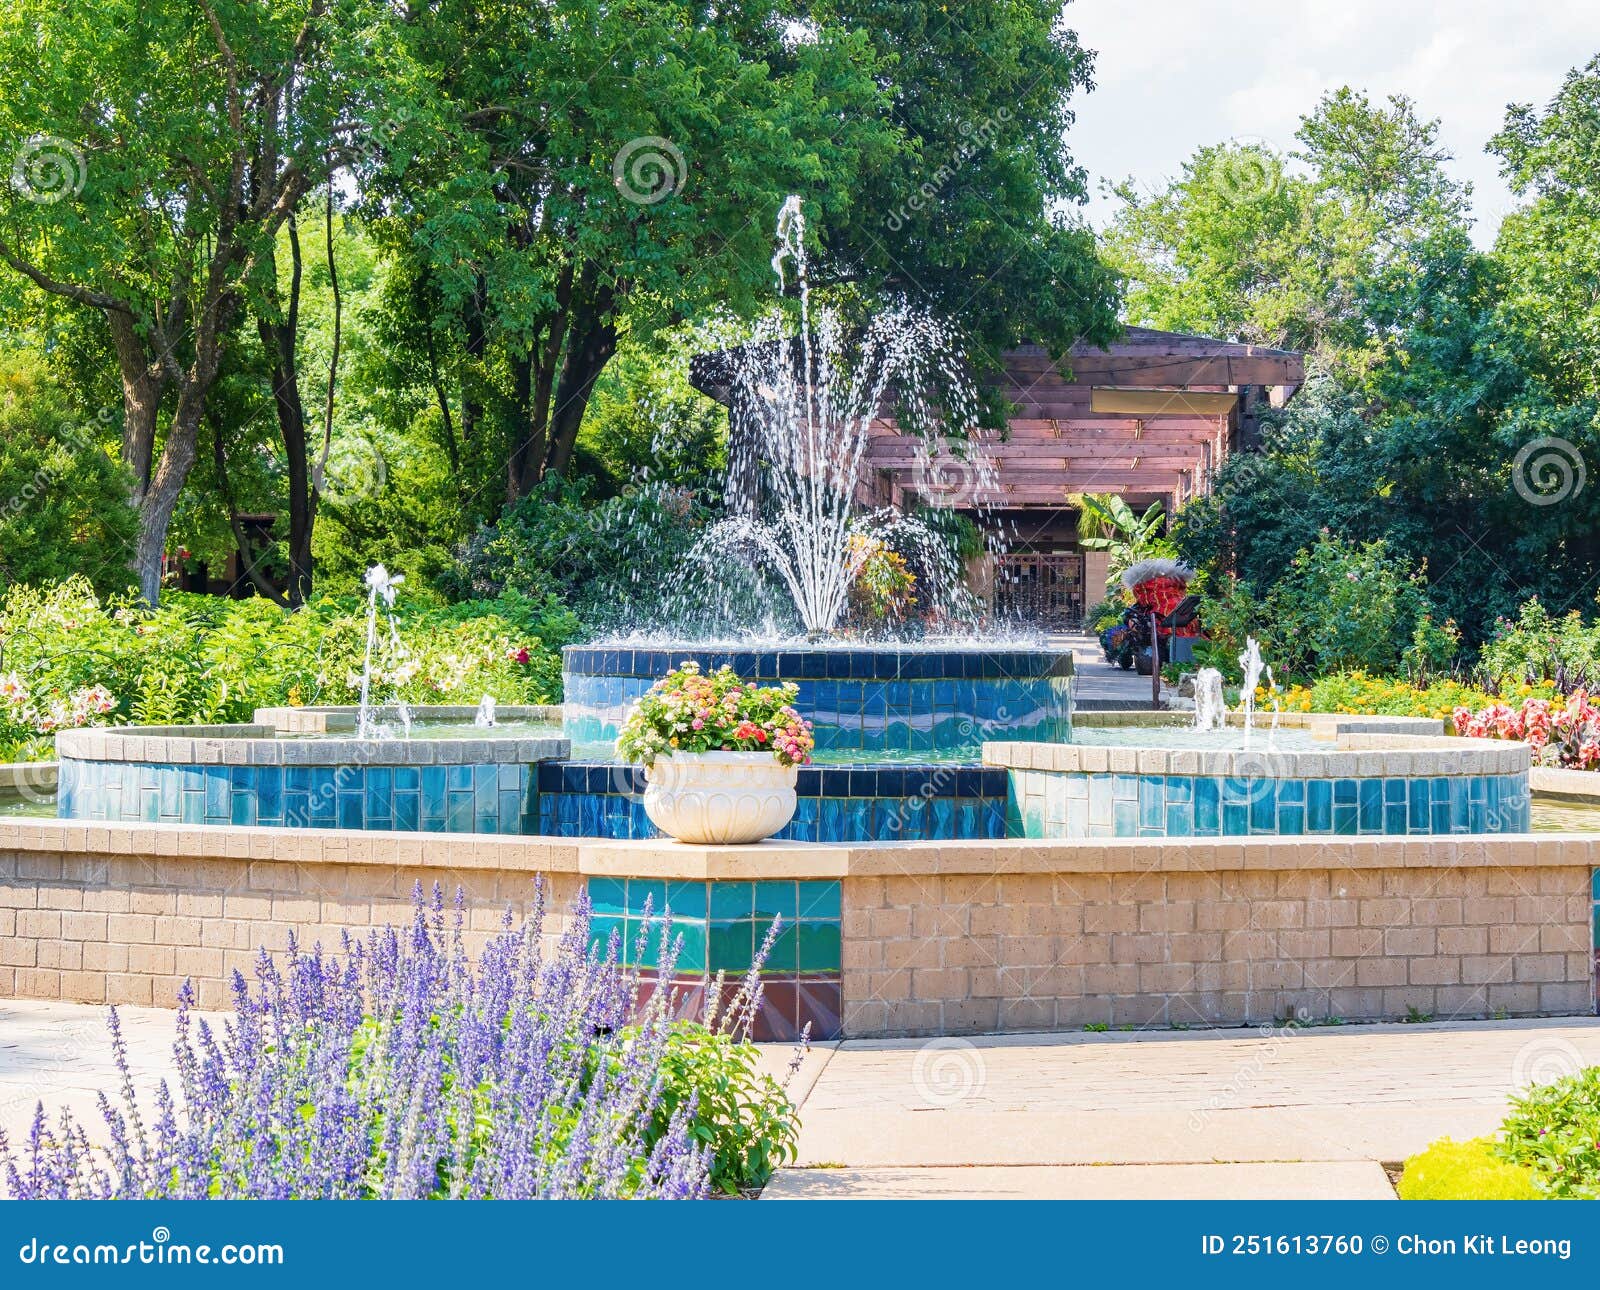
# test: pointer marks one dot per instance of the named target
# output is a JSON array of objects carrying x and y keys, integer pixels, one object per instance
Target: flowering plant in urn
[{"x": 720, "y": 754}]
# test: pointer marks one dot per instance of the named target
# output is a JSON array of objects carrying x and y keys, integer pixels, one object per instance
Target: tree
[
  {"x": 966, "y": 216},
  {"x": 1292, "y": 250},
  {"x": 166, "y": 144},
  {"x": 1107, "y": 523},
  {"x": 596, "y": 170},
  {"x": 63, "y": 495}
]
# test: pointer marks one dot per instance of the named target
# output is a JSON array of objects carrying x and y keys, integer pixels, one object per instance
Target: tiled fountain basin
[
  {"x": 1363, "y": 776},
  {"x": 943, "y": 701},
  {"x": 247, "y": 775}
]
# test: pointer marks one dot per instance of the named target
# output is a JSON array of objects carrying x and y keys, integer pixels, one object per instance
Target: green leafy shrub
[
  {"x": 1471, "y": 1170},
  {"x": 612, "y": 562},
  {"x": 1344, "y": 607},
  {"x": 1537, "y": 647},
  {"x": 1554, "y": 1130},
  {"x": 741, "y": 1114},
  {"x": 62, "y": 495},
  {"x": 203, "y": 659}
]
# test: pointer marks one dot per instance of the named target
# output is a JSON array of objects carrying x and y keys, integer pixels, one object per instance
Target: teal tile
[
  {"x": 819, "y": 900},
  {"x": 818, "y": 947},
  {"x": 777, "y": 900},
  {"x": 729, "y": 946},
  {"x": 641, "y": 890},
  {"x": 608, "y": 895},
  {"x": 649, "y": 954},
  {"x": 687, "y": 899},
  {"x": 600, "y": 930},
  {"x": 692, "y": 946},
  {"x": 732, "y": 900},
  {"x": 784, "y": 957}
]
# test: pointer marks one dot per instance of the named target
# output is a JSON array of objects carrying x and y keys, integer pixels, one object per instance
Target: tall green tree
[
  {"x": 159, "y": 146},
  {"x": 592, "y": 170},
  {"x": 1296, "y": 250}
]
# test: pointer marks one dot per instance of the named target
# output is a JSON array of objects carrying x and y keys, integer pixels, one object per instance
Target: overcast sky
[{"x": 1171, "y": 75}]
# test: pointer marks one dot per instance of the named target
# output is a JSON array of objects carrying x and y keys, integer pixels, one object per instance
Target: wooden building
[{"x": 1150, "y": 419}]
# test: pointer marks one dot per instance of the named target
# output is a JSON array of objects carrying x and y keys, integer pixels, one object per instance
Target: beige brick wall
[
  {"x": 130, "y": 929},
  {"x": 944, "y": 955}
]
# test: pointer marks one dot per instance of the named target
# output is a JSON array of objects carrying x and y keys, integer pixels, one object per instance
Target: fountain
[
  {"x": 1210, "y": 705},
  {"x": 934, "y": 738}
]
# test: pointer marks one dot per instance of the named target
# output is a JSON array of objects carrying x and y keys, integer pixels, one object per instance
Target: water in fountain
[
  {"x": 381, "y": 586},
  {"x": 1210, "y": 704},
  {"x": 804, "y": 406},
  {"x": 485, "y": 715},
  {"x": 1254, "y": 669}
]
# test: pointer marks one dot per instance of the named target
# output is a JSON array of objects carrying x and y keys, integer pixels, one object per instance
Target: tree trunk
[
  {"x": 585, "y": 360},
  {"x": 280, "y": 339},
  {"x": 161, "y": 497},
  {"x": 142, "y": 386}
]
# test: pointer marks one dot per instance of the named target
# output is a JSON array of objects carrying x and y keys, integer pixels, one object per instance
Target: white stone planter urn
[{"x": 720, "y": 797}]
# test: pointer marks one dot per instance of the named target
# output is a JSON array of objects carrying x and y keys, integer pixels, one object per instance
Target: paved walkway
[
  {"x": 1099, "y": 685},
  {"x": 1245, "y": 1114},
  {"x": 1300, "y": 1114}
]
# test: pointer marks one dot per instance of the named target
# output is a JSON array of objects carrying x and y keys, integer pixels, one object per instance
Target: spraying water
[
  {"x": 1210, "y": 704},
  {"x": 804, "y": 407},
  {"x": 1254, "y": 669},
  {"x": 381, "y": 586},
  {"x": 485, "y": 715}
]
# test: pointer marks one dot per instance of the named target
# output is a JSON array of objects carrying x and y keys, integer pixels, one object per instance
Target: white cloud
[{"x": 1175, "y": 74}]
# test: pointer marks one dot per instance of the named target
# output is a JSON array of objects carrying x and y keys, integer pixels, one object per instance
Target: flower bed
[
  {"x": 1548, "y": 1148},
  {"x": 1565, "y": 734}
]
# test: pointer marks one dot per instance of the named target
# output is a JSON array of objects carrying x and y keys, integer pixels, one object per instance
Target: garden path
[
  {"x": 1099, "y": 685},
  {"x": 1309, "y": 1113},
  {"x": 1302, "y": 1113}
]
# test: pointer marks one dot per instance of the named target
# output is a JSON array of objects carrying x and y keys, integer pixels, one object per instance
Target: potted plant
[{"x": 719, "y": 755}]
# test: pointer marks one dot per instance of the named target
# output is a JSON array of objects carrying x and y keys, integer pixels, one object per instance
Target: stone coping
[
  {"x": 258, "y": 745},
  {"x": 1325, "y": 725},
  {"x": 656, "y": 859},
  {"x": 1567, "y": 785},
  {"x": 1352, "y": 754},
  {"x": 28, "y": 776},
  {"x": 319, "y": 720}
]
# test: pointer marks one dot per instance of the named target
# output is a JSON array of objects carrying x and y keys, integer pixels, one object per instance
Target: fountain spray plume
[
  {"x": 381, "y": 585},
  {"x": 804, "y": 406}
]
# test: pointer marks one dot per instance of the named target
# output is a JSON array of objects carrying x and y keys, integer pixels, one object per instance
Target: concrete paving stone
[{"x": 1273, "y": 1181}]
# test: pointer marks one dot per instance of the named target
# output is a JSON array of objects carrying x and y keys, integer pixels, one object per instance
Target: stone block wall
[{"x": 970, "y": 953}]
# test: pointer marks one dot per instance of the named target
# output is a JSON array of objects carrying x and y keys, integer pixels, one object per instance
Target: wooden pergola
[{"x": 1149, "y": 419}]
